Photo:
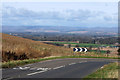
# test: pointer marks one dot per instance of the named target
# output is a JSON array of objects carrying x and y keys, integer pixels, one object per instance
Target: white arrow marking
[
  {"x": 85, "y": 49},
  {"x": 80, "y": 49},
  {"x": 76, "y": 49}
]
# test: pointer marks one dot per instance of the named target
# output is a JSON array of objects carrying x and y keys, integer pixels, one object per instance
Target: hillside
[{"x": 17, "y": 48}]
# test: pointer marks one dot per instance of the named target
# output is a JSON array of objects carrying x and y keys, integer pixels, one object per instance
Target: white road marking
[
  {"x": 36, "y": 73},
  {"x": 59, "y": 67},
  {"x": 22, "y": 68},
  {"x": 33, "y": 68},
  {"x": 82, "y": 61},
  {"x": 76, "y": 63},
  {"x": 15, "y": 68},
  {"x": 44, "y": 69},
  {"x": 72, "y": 63}
]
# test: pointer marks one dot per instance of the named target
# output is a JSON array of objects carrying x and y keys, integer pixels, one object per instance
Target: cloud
[
  {"x": 21, "y": 16},
  {"x": 64, "y": 15},
  {"x": 108, "y": 18}
]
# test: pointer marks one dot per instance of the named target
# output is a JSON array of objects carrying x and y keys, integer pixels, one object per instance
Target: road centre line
[
  {"x": 36, "y": 72},
  {"x": 59, "y": 67},
  {"x": 76, "y": 63},
  {"x": 82, "y": 61},
  {"x": 44, "y": 70},
  {"x": 72, "y": 63}
]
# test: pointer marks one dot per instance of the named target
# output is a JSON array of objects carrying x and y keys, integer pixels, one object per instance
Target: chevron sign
[{"x": 80, "y": 49}]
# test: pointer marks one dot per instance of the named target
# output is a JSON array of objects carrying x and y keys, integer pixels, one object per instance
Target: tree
[
  {"x": 69, "y": 46},
  {"x": 108, "y": 52},
  {"x": 98, "y": 49},
  {"x": 77, "y": 45}
]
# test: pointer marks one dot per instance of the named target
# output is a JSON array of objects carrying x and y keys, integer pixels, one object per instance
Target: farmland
[
  {"x": 18, "y": 48},
  {"x": 21, "y": 49},
  {"x": 73, "y": 44}
]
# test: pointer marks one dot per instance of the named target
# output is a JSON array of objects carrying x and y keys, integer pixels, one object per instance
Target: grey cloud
[
  {"x": 14, "y": 16},
  {"x": 11, "y": 12},
  {"x": 108, "y": 18}
]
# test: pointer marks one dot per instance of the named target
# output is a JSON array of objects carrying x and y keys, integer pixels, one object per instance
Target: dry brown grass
[{"x": 17, "y": 48}]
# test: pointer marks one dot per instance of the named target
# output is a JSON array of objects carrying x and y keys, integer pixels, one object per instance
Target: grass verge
[
  {"x": 109, "y": 71},
  {"x": 11, "y": 64}
]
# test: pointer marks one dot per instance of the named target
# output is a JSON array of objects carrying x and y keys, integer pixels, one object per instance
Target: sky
[{"x": 81, "y": 14}]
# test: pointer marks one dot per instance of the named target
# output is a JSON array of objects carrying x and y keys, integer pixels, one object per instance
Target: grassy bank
[
  {"x": 18, "y": 48},
  {"x": 28, "y": 61},
  {"x": 107, "y": 71}
]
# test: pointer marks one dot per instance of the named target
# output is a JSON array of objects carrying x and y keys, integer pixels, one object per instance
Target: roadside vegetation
[
  {"x": 14, "y": 63},
  {"x": 107, "y": 71}
]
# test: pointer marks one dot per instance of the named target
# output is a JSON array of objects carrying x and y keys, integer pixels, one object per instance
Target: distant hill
[
  {"x": 63, "y": 29},
  {"x": 17, "y": 48}
]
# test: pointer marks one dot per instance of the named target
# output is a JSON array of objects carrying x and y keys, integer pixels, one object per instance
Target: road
[{"x": 57, "y": 68}]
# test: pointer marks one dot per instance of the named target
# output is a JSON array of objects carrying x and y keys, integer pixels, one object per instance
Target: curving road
[{"x": 57, "y": 68}]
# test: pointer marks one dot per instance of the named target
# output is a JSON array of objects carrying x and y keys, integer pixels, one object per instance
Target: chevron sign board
[{"x": 80, "y": 49}]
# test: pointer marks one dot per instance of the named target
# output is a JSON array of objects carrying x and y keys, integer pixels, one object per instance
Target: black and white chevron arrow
[{"x": 80, "y": 49}]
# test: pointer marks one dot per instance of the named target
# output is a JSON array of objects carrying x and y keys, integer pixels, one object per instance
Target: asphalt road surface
[{"x": 57, "y": 68}]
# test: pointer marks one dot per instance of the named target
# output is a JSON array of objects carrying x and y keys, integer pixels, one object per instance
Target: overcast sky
[{"x": 88, "y": 14}]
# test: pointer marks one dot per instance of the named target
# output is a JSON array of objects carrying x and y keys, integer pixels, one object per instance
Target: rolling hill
[
  {"x": 63, "y": 29},
  {"x": 17, "y": 48}
]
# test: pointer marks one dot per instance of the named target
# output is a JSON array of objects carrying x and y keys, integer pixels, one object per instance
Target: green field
[
  {"x": 73, "y": 44},
  {"x": 101, "y": 51}
]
